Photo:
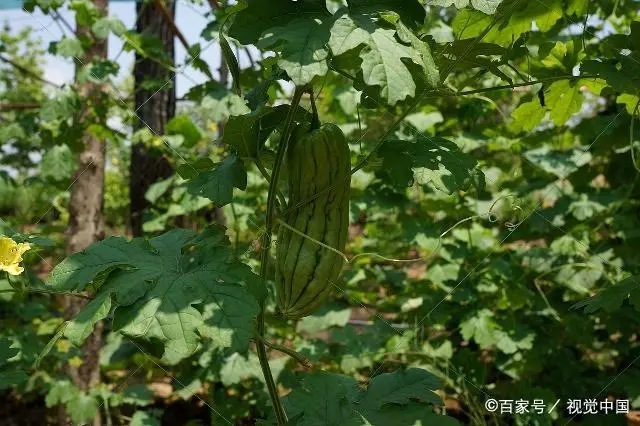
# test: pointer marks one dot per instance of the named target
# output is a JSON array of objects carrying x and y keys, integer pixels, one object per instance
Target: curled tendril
[
  {"x": 516, "y": 208},
  {"x": 491, "y": 217}
]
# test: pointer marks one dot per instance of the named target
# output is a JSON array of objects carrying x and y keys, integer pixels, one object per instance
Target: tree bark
[
  {"x": 86, "y": 220},
  {"x": 154, "y": 108}
]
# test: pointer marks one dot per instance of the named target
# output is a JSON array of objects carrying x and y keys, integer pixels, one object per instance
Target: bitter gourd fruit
[{"x": 318, "y": 163}]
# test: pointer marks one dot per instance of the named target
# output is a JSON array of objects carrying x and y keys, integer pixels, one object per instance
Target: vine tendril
[{"x": 509, "y": 225}]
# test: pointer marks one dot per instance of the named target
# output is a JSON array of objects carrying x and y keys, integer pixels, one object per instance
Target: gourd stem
[
  {"x": 315, "y": 120},
  {"x": 301, "y": 359},
  {"x": 281, "y": 416}
]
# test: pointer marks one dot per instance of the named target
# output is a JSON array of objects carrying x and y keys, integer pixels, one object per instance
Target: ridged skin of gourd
[{"x": 304, "y": 269}]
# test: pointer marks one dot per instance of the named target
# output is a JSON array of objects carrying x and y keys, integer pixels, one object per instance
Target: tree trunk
[
  {"x": 154, "y": 108},
  {"x": 86, "y": 220}
]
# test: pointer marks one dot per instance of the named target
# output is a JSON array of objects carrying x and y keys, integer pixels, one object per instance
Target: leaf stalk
[{"x": 301, "y": 359}]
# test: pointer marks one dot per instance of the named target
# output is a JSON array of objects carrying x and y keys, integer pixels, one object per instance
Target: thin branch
[
  {"x": 341, "y": 72},
  {"x": 174, "y": 28},
  {"x": 18, "y": 106},
  {"x": 511, "y": 86},
  {"x": 214, "y": 4},
  {"x": 59, "y": 17},
  {"x": 302, "y": 360},
  {"x": 167, "y": 17},
  {"x": 43, "y": 291},
  {"x": 28, "y": 72},
  {"x": 251, "y": 61},
  {"x": 514, "y": 69},
  {"x": 478, "y": 39},
  {"x": 489, "y": 89}
]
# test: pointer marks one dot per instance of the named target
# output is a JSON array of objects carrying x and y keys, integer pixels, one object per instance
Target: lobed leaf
[{"x": 158, "y": 291}]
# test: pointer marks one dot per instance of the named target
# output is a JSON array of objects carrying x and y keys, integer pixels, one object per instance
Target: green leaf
[
  {"x": 612, "y": 298},
  {"x": 103, "y": 68},
  {"x": 45, "y": 351},
  {"x": 580, "y": 280},
  {"x": 232, "y": 62},
  {"x": 324, "y": 319},
  {"x": 142, "y": 418},
  {"x": 629, "y": 101},
  {"x": 564, "y": 99},
  {"x": 577, "y": 7},
  {"x": 486, "y": 6},
  {"x": 103, "y": 26},
  {"x": 217, "y": 102},
  {"x": 322, "y": 399},
  {"x": 164, "y": 293},
  {"x": 11, "y": 131},
  {"x": 584, "y": 208},
  {"x": 81, "y": 326},
  {"x": 559, "y": 163},
  {"x": 6, "y": 351},
  {"x": 157, "y": 189},
  {"x": 411, "y": 12},
  {"x": 429, "y": 160},
  {"x": 261, "y": 15},
  {"x": 302, "y": 45},
  {"x": 61, "y": 392},
  {"x": 223, "y": 107},
  {"x": 12, "y": 378},
  {"x": 620, "y": 74},
  {"x": 403, "y": 397},
  {"x": 557, "y": 59},
  {"x": 217, "y": 184},
  {"x": 545, "y": 13},
  {"x": 61, "y": 107},
  {"x": 441, "y": 273},
  {"x": 58, "y": 164},
  {"x": 183, "y": 125},
  {"x": 259, "y": 95},
  {"x": 196, "y": 61},
  {"x": 148, "y": 46},
  {"x": 527, "y": 116},
  {"x": 139, "y": 395},
  {"x": 422, "y": 55},
  {"x": 82, "y": 408},
  {"x": 486, "y": 332},
  {"x": 69, "y": 47},
  {"x": 246, "y": 133},
  {"x": 411, "y": 304},
  {"x": 237, "y": 368},
  {"x": 381, "y": 55},
  {"x": 401, "y": 387},
  {"x": 86, "y": 12}
]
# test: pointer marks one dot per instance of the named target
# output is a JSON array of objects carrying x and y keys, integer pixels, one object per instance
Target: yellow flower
[
  {"x": 76, "y": 361},
  {"x": 11, "y": 255},
  {"x": 63, "y": 345}
]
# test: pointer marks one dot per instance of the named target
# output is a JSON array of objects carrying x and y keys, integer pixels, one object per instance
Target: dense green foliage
[{"x": 493, "y": 218}]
